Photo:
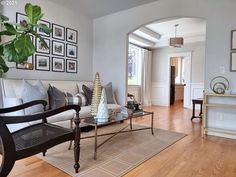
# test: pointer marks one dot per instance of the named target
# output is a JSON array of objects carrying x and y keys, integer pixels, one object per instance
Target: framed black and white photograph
[
  {"x": 58, "y": 48},
  {"x": 42, "y": 62},
  {"x": 233, "y": 62},
  {"x": 28, "y": 62},
  {"x": 71, "y": 35},
  {"x": 233, "y": 40},
  {"x": 21, "y": 19},
  {"x": 71, "y": 51},
  {"x": 58, "y": 32},
  {"x": 58, "y": 64},
  {"x": 71, "y": 66},
  {"x": 40, "y": 48},
  {"x": 40, "y": 30}
]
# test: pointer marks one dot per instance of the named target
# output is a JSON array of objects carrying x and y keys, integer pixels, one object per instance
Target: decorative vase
[
  {"x": 102, "y": 114},
  {"x": 97, "y": 89}
]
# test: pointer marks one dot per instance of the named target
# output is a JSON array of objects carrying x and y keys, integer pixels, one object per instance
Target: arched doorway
[{"x": 147, "y": 37}]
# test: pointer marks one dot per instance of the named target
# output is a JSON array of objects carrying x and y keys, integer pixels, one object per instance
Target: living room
[{"x": 103, "y": 28}]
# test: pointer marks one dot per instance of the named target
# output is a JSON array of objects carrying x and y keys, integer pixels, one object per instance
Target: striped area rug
[{"x": 116, "y": 157}]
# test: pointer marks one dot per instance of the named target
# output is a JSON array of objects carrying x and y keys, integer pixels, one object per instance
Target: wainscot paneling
[
  {"x": 196, "y": 92},
  {"x": 159, "y": 94}
]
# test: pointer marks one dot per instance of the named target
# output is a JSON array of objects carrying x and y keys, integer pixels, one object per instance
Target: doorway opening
[
  {"x": 180, "y": 78},
  {"x": 157, "y": 84}
]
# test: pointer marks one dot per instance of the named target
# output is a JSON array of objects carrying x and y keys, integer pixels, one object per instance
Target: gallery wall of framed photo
[{"x": 62, "y": 55}]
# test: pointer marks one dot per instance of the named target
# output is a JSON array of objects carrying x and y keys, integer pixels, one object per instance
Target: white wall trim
[
  {"x": 159, "y": 94},
  {"x": 196, "y": 92},
  {"x": 221, "y": 135}
]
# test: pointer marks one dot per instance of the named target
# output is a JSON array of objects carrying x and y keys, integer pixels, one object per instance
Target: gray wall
[
  {"x": 61, "y": 15},
  {"x": 160, "y": 62},
  {"x": 110, "y": 36}
]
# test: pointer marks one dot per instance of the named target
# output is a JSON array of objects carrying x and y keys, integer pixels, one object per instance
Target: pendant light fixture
[{"x": 176, "y": 41}]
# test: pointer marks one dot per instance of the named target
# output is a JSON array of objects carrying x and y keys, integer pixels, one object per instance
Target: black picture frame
[
  {"x": 43, "y": 22},
  {"x": 71, "y": 51},
  {"x": 58, "y": 32},
  {"x": 58, "y": 66},
  {"x": 71, "y": 35},
  {"x": 39, "y": 48},
  {"x": 40, "y": 66},
  {"x": 22, "y": 66},
  {"x": 233, "y": 40},
  {"x": 71, "y": 66},
  {"x": 21, "y": 19},
  {"x": 56, "y": 51},
  {"x": 233, "y": 61}
]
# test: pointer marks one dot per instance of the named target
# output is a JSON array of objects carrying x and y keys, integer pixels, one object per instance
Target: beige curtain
[{"x": 146, "y": 77}]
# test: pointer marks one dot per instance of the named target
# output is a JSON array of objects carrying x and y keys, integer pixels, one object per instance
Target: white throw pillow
[
  {"x": 31, "y": 93},
  {"x": 10, "y": 102}
]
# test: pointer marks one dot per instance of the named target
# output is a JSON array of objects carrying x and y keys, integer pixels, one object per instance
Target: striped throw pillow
[{"x": 79, "y": 99}]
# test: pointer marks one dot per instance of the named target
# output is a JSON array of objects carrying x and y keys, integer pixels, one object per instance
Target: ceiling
[
  {"x": 99, "y": 8},
  {"x": 192, "y": 29}
]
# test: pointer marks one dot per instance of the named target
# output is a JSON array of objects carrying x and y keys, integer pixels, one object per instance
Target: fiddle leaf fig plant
[{"x": 19, "y": 46}]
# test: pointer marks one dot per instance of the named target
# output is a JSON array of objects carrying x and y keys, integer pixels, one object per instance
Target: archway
[{"x": 160, "y": 95}]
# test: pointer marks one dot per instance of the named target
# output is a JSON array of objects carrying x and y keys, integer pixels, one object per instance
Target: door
[
  {"x": 186, "y": 72},
  {"x": 172, "y": 85},
  {"x": 187, "y": 80}
]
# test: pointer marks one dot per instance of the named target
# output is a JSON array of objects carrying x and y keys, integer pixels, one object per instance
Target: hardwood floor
[{"x": 190, "y": 157}]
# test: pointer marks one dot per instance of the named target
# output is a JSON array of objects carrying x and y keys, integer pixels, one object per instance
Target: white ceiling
[
  {"x": 192, "y": 29},
  {"x": 99, "y": 8}
]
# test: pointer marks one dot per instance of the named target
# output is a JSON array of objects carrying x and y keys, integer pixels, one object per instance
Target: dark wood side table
[{"x": 197, "y": 101}]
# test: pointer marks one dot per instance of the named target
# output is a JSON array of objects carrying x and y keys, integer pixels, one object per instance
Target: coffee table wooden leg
[
  {"x": 130, "y": 123},
  {"x": 95, "y": 143},
  {"x": 152, "y": 124}
]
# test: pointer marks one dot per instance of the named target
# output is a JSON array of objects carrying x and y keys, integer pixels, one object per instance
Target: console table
[{"x": 207, "y": 105}]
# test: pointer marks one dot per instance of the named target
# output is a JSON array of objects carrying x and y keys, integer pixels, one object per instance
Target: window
[{"x": 134, "y": 65}]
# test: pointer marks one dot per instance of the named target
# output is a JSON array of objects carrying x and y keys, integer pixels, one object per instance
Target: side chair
[{"x": 35, "y": 138}]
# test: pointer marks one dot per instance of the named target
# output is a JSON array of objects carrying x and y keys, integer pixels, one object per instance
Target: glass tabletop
[{"x": 117, "y": 117}]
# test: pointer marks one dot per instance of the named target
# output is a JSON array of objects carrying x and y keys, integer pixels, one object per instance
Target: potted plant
[{"x": 19, "y": 46}]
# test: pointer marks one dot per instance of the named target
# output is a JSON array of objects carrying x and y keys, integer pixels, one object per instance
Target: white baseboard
[{"x": 221, "y": 135}]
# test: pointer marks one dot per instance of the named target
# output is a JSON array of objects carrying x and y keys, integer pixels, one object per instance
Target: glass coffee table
[{"x": 116, "y": 118}]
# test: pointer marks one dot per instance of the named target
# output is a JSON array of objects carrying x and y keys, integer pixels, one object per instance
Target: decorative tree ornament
[
  {"x": 102, "y": 114},
  {"x": 97, "y": 89}
]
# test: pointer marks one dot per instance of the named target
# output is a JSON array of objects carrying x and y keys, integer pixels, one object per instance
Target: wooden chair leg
[
  {"x": 77, "y": 143},
  {"x": 44, "y": 153}
]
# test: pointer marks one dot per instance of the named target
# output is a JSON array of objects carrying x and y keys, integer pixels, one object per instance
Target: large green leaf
[
  {"x": 24, "y": 47},
  {"x": 7, "y": 33},
  {"x": 10, "y": 52},
  {"x": 33, "y": 13},
  {"x": 43, "y": 27},
  {"x": 1, "y": 50},
  {"x": 3, "y": 18},
  {"x": 10, "y": 28},
  {"x": 3, "y": 66},
  {"x": 18, "y": 26}
]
